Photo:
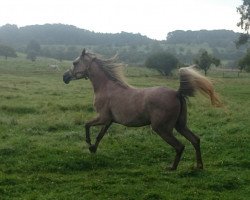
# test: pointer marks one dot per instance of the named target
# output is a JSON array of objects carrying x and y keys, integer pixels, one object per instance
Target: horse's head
[{"x": 79, "y": 69}]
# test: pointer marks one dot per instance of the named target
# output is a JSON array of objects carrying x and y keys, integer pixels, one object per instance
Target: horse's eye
[{"x": 75, "y": 63}]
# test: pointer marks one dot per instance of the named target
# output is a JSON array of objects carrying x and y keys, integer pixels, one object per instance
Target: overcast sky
[{"x": 153, "y": 18}]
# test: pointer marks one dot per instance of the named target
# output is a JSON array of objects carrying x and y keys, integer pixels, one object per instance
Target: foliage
[
  {"x": 243, "y": 38},
  {"x": 60, "y": 52},
  {"x": 44, "y": 156},
  {"x": 221, "y": 43},
  {"x": 33, "y": 50},
  {"x": 244, "y": 11},
  {"x": 57, "y": 39},
  {"x": 7, "y": 51},
  {"x": 205, "y": 60},
  {"x": 215, "y": 38},
  {"x": 163, "y": 62},
  {"x": 68, "y": 35},
  {"x": 244, "y": 62}
]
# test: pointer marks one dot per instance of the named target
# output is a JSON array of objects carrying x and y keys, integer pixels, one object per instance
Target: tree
[
  {"x": 163, "y": 62},
  {"x": 205, "y": 60},
  {"x": 244, "y": 11},
  {"x": 31, "y": 55},
  {"x": 71, "y": 53},
  {"x": 7, "y": 51},
  {"x": 244, "y": 63},
  {"x": 33, "y": 50}
]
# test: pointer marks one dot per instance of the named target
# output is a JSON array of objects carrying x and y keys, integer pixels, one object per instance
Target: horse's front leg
[
  {"x": 96, "y": 121},
  {"x": 99, "y": 137},
  {"x": 93, "y": 122}
]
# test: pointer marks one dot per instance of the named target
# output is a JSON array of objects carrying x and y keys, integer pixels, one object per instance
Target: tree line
[
  {"x": 61, "y": 34},
  {"x": 65, "y": 42},
  {"x": 162, "y": 61}
]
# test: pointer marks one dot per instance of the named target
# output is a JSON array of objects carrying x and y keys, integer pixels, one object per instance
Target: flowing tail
[{"x": 191, "y": 81}]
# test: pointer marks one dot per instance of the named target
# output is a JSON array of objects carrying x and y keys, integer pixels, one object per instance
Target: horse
[
  {"x": 115, "y": 101},
  {"x": 54, "y": 67}
]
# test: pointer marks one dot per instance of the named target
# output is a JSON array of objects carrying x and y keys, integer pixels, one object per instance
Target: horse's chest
[{"x": 100, "y": 104}]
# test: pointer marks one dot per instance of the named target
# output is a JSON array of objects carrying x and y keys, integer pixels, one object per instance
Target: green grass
[{"x": 43, "y": 154}]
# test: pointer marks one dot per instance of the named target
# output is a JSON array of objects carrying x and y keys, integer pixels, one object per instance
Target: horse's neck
[{"x": 98, "y": 78}]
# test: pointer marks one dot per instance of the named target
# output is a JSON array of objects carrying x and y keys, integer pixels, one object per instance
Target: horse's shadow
[{"x": 82, "y": 160}]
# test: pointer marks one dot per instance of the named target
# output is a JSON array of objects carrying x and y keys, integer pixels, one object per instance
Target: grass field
[{"x": 43, "y": 154}]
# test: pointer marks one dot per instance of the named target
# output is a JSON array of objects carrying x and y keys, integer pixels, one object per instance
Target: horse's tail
[{"x": 191, "y": 81}]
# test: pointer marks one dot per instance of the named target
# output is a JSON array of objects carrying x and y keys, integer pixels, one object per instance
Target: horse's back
[{"x": 161, "y": 95}]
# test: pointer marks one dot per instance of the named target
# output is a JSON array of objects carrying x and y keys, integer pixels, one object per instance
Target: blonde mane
[{"x": 112, "y": 68}]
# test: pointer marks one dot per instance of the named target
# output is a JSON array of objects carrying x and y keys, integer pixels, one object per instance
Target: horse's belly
[
  {"x": 129, "y": 108},
  {"x": 133, "y": 123},
  {"x": 131, "y": 119}
]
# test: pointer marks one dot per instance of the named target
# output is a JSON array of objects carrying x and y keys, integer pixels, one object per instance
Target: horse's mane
[{"x": 112, "y": 68}]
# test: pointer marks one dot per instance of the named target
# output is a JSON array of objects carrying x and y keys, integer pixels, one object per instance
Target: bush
[
  {"x": 7, "y": 51},
  {"x": 163, "y": 62},
  {"x": 244, "y": 63}
]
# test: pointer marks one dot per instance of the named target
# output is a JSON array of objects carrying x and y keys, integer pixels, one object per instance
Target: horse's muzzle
[{"x": 67, "y": 77}]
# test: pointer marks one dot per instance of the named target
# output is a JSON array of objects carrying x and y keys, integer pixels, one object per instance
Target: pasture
[{"x": 43, "y": 154}]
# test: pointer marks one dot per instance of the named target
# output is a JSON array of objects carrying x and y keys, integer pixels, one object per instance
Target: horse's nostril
[{"x": 66, "y": 81}]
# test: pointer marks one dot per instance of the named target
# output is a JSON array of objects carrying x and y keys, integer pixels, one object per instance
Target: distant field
[{"x": 43, "y": 154}]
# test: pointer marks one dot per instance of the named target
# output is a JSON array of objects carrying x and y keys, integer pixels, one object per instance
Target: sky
[{"x": 152, "y": 18}]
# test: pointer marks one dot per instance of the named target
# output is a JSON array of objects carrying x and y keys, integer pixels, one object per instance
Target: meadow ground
[{"x": 43, "y": 154}]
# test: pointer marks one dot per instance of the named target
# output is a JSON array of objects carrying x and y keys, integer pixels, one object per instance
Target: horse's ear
[{"x": 83, "y": 52}]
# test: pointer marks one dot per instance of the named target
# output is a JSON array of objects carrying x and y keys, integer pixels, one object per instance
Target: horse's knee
[
  {"x": 180, "y": 127},
  {"x": 87, "y": 127},
  {"x": 88, "y": 140},
  {"x": 197, "y": 140}
]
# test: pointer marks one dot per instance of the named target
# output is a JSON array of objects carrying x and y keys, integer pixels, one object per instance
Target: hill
[
  {"x": 215, "y": 38},
  {"x": 60, "y": 34},
  {"x": 220, "y": 43}
]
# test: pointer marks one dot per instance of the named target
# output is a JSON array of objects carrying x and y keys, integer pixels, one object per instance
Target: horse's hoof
[{"x": 92, "y": 149}]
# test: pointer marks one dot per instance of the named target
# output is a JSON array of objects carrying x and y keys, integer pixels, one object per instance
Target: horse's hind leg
[
  {"x": 181, "y": 127},
  {"x": 195, "y": 140},
  {"x": 171, "y": 140}
]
